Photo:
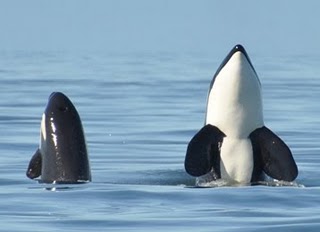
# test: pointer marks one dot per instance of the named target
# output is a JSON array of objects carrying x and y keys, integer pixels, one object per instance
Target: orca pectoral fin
[
  {"x": 203, "y": 150},
  {"x": 34, "y": 168},
  {"x": 275, "y": 155}
]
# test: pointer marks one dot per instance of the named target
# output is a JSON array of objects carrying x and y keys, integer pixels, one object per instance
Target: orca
[
  {"x": 62, "y": 156},
  {"x": 235, "y": 145}
]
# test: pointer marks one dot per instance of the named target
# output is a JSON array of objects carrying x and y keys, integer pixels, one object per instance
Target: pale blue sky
[{"x": 273, "y": 26}]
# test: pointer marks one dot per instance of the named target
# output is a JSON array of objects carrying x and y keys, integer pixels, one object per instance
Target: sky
[{"x": 273, "y": 26}]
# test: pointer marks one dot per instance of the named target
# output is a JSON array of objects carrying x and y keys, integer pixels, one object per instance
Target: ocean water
[{"x": 139, "y": 111}]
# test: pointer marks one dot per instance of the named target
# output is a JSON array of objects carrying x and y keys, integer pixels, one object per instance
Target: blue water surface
[{"x": 139, "y": 111}]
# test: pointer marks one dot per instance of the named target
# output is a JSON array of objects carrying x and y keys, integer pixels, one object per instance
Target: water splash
[
  {"x": 279, "y": 183},
  {"x": 210, "y": 180}
]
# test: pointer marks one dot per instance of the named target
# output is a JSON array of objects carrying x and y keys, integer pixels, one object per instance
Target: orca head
[
  {"x": 62, "y": 142},
  {"x": 59, "y": 104},
  {"x": 234, "y": 99},
  {"x": 59, "y": 111},
  {"x": 239, "y": 49}
]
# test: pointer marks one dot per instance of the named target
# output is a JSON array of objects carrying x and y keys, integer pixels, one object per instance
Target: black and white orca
[
  {"x": 62, "y": 156},
  {"x": 235, "y": 145}
]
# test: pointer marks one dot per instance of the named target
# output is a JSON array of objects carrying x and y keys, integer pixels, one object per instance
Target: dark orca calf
[
  {"x": 62, "y": 156},
  {"x": 235, "y": 145}
]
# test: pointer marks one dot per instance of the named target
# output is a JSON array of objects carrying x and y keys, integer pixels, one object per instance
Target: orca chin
[
  {"x": 62, "y": 156},
  {"x": 235, "y": 145}
]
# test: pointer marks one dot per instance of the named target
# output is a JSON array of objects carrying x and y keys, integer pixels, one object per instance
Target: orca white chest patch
[
  {"x": 234, "y": 100},
  {"x": 234, "y": 145},
  {"x": 62, "y": 156},
  {"x": 43, "y": 134},
  {"x": 236, "y": 162}
]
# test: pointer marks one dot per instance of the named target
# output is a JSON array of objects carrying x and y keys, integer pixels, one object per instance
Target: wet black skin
[
  {"x": 62, "y": 156},
  {"x": 271, "y": 156}
]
